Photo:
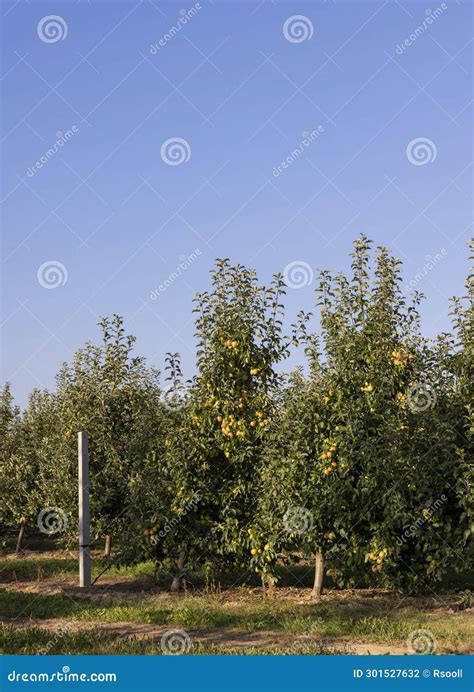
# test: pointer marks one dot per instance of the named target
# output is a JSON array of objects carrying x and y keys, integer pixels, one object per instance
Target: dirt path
[{"x": 229, "y": 637}]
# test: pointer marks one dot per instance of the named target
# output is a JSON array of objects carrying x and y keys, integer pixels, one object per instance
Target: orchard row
[{"x": 361, "y": 460}]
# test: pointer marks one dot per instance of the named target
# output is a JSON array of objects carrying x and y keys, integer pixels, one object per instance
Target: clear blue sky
[{"x": 108, "y": 207}]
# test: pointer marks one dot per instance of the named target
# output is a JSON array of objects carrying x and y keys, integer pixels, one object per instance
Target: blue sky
[{"x": 239, "y": 85}]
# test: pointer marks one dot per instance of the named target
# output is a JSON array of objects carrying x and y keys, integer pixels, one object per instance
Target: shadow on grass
[
  {"x": 34, "y": 640},
  {"x": 370, "y": 623}
]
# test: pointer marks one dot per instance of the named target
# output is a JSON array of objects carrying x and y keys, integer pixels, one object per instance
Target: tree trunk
[
  {"x": 318, "y": 577},
  {"x": 178, "y": 577},
  {"x": 21, "y": 535},
  {"x": 108, "y": 545}
]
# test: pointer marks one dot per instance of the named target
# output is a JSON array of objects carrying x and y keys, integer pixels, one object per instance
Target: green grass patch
[
  {"x": 30, "y": 569},
  {"x": 374, "y": 624},
  {"x": 34, "y": 640}
]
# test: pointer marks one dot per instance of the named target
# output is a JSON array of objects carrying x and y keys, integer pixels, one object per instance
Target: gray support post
[{"x": 84, "y": 528}]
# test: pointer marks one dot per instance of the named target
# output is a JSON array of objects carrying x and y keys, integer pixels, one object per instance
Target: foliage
[{"x": 364, "y": 458}]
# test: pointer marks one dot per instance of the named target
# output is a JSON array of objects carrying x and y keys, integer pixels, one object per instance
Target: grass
[
  {"x": 65, "y": 565},
  {"x": 34, "y": 640},
  {"x": 28, "y": 569},
  {"x": 363, "y": 623},
  {"x": 382, "y": 618}
]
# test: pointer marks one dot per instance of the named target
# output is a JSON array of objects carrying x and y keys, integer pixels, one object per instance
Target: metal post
[{"x": 84, "y": 528}]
